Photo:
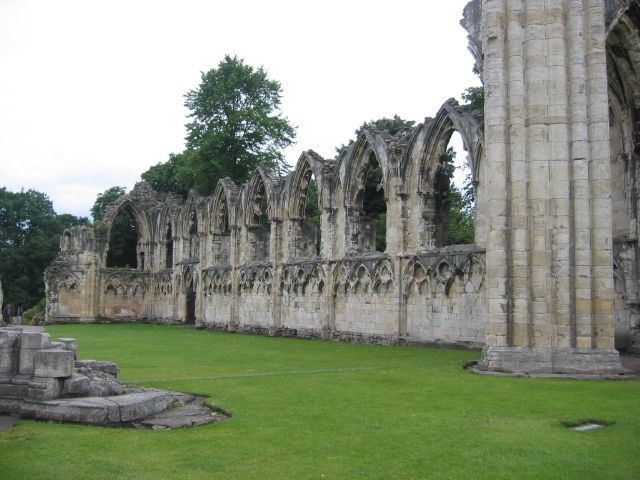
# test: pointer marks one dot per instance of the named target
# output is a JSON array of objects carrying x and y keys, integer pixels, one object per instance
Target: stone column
[{"x": 549, "y": 252}]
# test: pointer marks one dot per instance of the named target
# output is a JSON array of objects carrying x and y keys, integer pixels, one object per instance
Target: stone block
[
  {"x": 35, "y": 341},
  {"x": 9, "y": 390},
  {"x": 41, "y": 389},
  {"x": 26, "y": 357},
  {"x": 105, "y": 367},
  {"x": 70, "y": 344},
  {"x": 9, "y": 338},
  {"x": 53, "y": 363},
  {"x": 8, "y": 360}
]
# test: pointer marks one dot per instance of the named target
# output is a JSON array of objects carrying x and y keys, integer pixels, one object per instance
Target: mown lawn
[{"x": 304, "y": 409}]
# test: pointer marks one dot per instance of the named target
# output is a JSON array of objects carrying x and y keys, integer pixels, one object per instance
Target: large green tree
[
  {"x": 30, "y": 233},
  {"x": 235, "y": 125}
]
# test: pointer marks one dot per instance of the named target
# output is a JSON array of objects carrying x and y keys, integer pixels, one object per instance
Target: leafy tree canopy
[
  {"x": 30, "y": 233},
  {"x": 389, "y": 125},
  {"x": 103, "y": 200},
  {"x": 235, "y": 125},
  {"x": 474, "y": 97}
]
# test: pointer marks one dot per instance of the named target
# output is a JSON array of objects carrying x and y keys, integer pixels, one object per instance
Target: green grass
[{"x": 305, "y": 409}]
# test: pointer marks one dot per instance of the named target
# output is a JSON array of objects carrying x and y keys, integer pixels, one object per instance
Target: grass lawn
[{"x": 304, "y": 409}]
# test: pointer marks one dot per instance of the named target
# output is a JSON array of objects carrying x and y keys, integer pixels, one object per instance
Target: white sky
[{"x": 91, "y": 92}]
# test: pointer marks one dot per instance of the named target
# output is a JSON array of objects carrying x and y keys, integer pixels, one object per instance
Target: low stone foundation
[
  {"x": 41, "y": 379},
  {"x": 551, "y": 360}
]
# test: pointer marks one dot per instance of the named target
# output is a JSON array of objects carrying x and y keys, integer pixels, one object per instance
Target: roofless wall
[{"x": 553, "y": 160}]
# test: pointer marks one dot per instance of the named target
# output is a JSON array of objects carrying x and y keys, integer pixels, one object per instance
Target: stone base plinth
[{"x": 589, "y": 361}]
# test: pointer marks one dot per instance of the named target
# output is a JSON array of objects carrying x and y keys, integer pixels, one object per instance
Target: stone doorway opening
[{"x": 190, "y": 318}]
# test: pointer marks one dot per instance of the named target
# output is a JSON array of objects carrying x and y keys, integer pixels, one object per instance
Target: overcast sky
[{"x": 91, "y": 92}]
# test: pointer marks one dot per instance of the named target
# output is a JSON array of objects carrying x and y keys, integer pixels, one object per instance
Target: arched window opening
[
  {"x": 312, "y": 211},
  {"x": 622, "y": 174},
  {"x": 260, "y": 226},
  {"x": 305, "y": 241},
  {"x": 456, "y": 199},
  {"x": 374, "y": 208},
  {"x": 169, "y": 248},
  {"x": 123, "y": 241},
  {"x": 190, "y": 298},
  {"x": 194, "y": 240},
  {"x": 221, "y": 232}
]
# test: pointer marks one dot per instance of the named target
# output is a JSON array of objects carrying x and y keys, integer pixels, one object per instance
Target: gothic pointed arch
[
  {"x": 259, "y": 205},
  {"x": 427, "y": 173},
  {"x": 192, "y": 226},
  {"x": 259, "y": 193},
  {"x": 222, "y": 218},
  {"x": 222, "y": 206},
  {"x": 436, "y": 133},
  {"x": 128, "y": 233},
  {"x": 167, "y": 231},
  {"x": 303, "y": 191},
  {"x": 364, "y": 179},
  {"x": 623, "y": 72},
  {"x": 310, "y": 164},
  {"x": 368, "y": 148}
]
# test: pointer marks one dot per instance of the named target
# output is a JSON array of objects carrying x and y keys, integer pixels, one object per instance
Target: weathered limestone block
[
  {"x": 70, "y": 344},
  {"x": 30, "y": 343},
  {"x": 53, "y": 363},
  {"x": 9, "y": 341},
  {"x": 94, "y": 384},
  {"x": 43, "y": 389},
  {"x": 36, "y": 388},
  {"x": 106, "y": 367}
]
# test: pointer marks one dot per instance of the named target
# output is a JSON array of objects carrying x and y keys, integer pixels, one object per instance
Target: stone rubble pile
[{"x": 41, "y": 379}]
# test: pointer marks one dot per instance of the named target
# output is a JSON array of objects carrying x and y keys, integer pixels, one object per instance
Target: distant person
[
  {"x": 19, "y": 315},
  {"x": 6, "y": 313}
]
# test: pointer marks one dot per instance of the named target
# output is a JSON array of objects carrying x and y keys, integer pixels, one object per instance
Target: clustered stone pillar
[{"x": 549, "y": 252}]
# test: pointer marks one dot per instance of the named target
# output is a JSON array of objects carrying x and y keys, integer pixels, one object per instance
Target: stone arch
[
  {"x": 367, "y": 155},
  {"x": 355, "y": 165},
  {"x": 192, "y": 226},
  {"x": 189, "y": 287},
  {"x": 222, "y": 219},
  {"x": 623, "y": 72},
  {"x": 167, "y": 231},
  {"x": 258, "y": 211},
  {"x": 423, "y": 174},
  {"x": 623, "y": 76},
  {"x": 128, "y": 206},
  {"x": 309, "y": 163},
  {"x": 304, "y": 226},
  {"x": 222, "y": 211},
  {"x": 259, "y": 189}
]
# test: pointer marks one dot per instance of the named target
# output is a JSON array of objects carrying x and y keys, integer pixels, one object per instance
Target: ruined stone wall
[
  {"x": 553, "y": 159},
  {"x": 213, "y": 262}
]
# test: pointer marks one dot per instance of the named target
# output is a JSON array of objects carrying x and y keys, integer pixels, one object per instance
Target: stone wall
[
  {"x": 551, "y": 283},
  {"x": 213, "y": 262}
]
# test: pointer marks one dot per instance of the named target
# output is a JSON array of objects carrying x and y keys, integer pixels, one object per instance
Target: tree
[
  {"x": 391, "y": 126},
  {"x": 103, "y": 200},
  {"x": 460, "y": 204},
  {"x": 474, "y": 98},
  {"x": 235, "y": 125},
  {"x": 30, "y": 233},
  {"x": 170, "y": 176}
]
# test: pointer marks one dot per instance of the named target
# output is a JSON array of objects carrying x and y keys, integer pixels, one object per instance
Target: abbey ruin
[{"x": 551, "y": 282}]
